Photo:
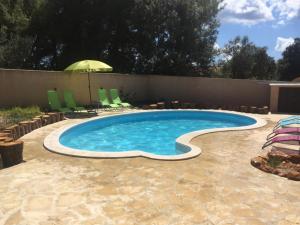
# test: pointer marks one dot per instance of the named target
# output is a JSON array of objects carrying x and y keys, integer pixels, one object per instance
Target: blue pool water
[{"x": 153, "y": 132}]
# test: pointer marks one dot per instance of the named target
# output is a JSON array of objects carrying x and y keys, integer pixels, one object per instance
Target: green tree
[
  {"x": 264, "y": 66},
  {"x": 289, "y": 65},
  {"x": 149, "y": 36},
  {"x": 15, "y": 43},
  {"x": 244, "y": 60}
]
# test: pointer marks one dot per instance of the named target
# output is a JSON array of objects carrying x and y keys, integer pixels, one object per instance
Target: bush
[{"x": 17, "y": 114}]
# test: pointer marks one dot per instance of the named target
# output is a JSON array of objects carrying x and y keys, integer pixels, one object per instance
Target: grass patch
[{"x": 17, "y": 114}]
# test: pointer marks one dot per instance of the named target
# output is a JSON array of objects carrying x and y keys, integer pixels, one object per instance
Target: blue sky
[{"x": 270, "y": 23}]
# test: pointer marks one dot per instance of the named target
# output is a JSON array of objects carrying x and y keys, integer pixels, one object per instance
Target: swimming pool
[{"x": 152, "y": 134}]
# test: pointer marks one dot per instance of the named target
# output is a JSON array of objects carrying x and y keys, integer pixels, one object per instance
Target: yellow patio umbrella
[{"x": 89, "y": 66}]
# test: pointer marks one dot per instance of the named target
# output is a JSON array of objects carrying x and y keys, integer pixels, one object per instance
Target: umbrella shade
[{"x": 89, "y": 66}]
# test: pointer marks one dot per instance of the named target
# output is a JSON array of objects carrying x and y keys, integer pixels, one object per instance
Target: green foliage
[
  {"x": 15, "y": 43},
  {"x": 17, "y": 114},
  {"x": 289, "y": 65},
  {"x": 15, "y": 52},
  {"x": 134, "y": 36},
  {"x": 247, "y": 61}
]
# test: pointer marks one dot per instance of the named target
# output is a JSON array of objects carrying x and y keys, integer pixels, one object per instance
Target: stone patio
[{"x": 218, "y": 187}]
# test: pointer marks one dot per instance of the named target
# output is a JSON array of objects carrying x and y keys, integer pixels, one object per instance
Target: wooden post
[
  {"x": 11, "y": 153},
  {"x": 54, "y": 117},
  {"x": 32, "y": 125},
  {"x": 160, "y": 105},
  {"x": 153, "y": 106},
  {"x": 26, "y": 125},
  {"x": 14, "y": 130},
  {"x": 61, "y": 116},
  {"x": 175, "y": 104},
  {"x": 145, "y": 107},
  {"x": 38, "y": 122},
  {"x": 263, "y": 110},
  {"x": 2, "y": 134},
  {"x": 252, "y": 109},
  {"x": 243, "y": 108},
  {"x": 46, "y": 120}
]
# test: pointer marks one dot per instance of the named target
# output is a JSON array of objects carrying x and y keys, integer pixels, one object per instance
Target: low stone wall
[{"x": 25, "y": 87}]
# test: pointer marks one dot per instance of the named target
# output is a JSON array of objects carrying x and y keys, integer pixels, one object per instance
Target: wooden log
[
  {"x": 186, "y": 105},
  {"x": 9, "y": 132},
  {"x": 252, "y": 109},
  {"x": 224, "y": 107},
  {"x": 160, "y": 105},
  {"x": 243, "y": 108},
  {"x": 17, "y": 130},
  {"x": 53, "y": 117},
  {"x": 145, "y": 107},
  {"x": 192, "y": 105},
  {"x": 6, "y": 139},
  {"x": 231, "y": 108},
  {"x": 14, "y": 130},
  {"x": 153, "y": 106},
  {"x": 199, "y": 106},
  {"x": 168, "y": 105},
  {"x": 265, "y": 110},
  {"x": 22, "y": 130},
  {"x": 57, "y": 117},
  {"x": 61, "y": 116},
  {"x": 32, "y": 125},
  {"x": 46, "y": 120},
  {"x": 175, "y": 104},
  {"x": 26, "y": 125},
  {"x": 38, "y": 122},
  {"x": 11, "y": 153},
  {"x": 5, "y": 134},
  {"x": 2, "y": 139},
  {"x": 215, "y": 107},
  {"x": 236, "y": 108}
]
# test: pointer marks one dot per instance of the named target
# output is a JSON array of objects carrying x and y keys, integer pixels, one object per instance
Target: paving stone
[{"x": 219, "y": 187}]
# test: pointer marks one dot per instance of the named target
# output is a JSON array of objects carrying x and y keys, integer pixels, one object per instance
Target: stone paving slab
[{"x": 218, "y": 187}]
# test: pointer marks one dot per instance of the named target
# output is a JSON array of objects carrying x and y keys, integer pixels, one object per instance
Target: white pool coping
[{"x": 52, "y": 143}]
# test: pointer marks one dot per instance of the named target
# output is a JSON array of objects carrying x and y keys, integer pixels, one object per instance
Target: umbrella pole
[{"x": 90, "y": 88}]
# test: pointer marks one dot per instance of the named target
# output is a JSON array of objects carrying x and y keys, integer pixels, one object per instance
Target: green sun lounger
[
  {"x": 103, "y": 99},
  {"x": 55, "y": 104},
  {"x": 114, "y": 94},
  {"x": 71, "y": 103}
]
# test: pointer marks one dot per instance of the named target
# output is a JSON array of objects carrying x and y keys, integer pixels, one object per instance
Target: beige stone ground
[{"x": 218, "y": 187}]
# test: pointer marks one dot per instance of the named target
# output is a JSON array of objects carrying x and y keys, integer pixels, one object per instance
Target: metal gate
[{"x": 289, "y": 100}]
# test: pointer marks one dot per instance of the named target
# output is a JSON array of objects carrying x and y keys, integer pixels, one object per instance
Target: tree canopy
[
  {"x": 15, "y": 43},
  {"x": 244, "y": 60},
  {"x": 289, "y": 65},
  {"x": 134, "y": 36}
]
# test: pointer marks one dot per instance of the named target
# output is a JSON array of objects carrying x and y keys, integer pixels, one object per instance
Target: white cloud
[
  {"x": 251, "y": 12},
  {"x": 286, "y": 9},
  {"x": 283, "y": 43},
  {"x": 216, "y": 46}
]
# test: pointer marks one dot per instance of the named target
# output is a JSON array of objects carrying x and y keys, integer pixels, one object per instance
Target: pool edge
[{"x": 52, "y": 144}]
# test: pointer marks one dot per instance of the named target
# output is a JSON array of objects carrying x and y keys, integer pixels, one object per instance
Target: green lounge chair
[
  {"x": 104, "y": 99},
  {"x": 55, "y": 104},
  {"x": 114, "y": 94},
  {"x": 70, "y": 102}
]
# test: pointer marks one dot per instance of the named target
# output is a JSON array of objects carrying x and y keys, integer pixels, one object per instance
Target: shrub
[{"x": 17, "y": 114}]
